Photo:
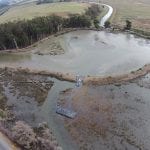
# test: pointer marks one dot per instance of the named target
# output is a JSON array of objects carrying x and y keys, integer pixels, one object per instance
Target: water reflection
[{"x": 89, "y": 52}]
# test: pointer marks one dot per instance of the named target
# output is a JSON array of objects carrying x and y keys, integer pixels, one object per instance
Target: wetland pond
[
  {"x": 116, "y": 115},
  {"x": 86, "y": 53}
]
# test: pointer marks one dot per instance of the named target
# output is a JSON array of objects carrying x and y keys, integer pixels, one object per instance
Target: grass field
[
  {"x": 138, "y": 11},
  {"x": 29, "y": 11}
]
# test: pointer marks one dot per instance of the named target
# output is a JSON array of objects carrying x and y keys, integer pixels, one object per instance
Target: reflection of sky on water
[{"x": 89, "y": 52}]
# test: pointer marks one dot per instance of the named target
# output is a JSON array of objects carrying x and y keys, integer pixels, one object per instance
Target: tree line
[
  {"x": 50, "y": 1},
  {"x": 24, "y": 33}
]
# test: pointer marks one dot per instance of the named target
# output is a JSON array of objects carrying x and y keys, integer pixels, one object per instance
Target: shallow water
[
  {"x": 128, "y": 106},
  {"x": 55, "y": 121},
  {"x": 89, "y": 53},
  {"x": 123, "y": 117},
  {"x": 27, "y": 109}
]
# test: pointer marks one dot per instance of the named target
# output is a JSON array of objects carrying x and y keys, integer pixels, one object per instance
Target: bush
[
  {"x": 96, "y": 23},
  {"x": 107, "y": 24},
  {"x": 77, "y": 21},
  {"x": 93, "y": 11},
  {"x": 24, "y": 135},
  {"x": 128, "y": 25},
  {"x": 43, "y": 139}
]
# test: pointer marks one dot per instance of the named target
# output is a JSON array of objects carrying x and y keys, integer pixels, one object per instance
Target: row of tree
[
  {"x": 93, "y": 11},
  {"x": 23, "y": 33},
  {"x": 49, "y": 1},
  {"x": 128, "y": 25}
]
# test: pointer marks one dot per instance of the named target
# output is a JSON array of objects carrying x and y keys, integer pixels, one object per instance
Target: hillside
[
  {"x": 31, "y": 10},
  {"x": 136, "y": 11}
]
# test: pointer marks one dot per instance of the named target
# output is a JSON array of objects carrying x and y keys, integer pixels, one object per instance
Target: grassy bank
[
  {"x": 135, "y": 10},
  {"x": 31, "y": 10}
]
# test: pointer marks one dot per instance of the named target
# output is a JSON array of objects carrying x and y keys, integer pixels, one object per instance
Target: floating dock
[
  {"x": 65, "y": 112},
  {"x": 79, "y": 81}
]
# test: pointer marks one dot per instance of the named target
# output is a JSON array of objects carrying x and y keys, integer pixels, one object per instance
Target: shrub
[{"x": 107, "y": 24}]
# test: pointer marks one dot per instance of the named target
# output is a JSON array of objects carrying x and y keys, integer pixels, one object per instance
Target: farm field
[
  {"x": 138, "y": 11},
  {"x": 31, "y": 10}
]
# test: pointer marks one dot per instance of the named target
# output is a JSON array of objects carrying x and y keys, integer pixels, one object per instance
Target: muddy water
[
  {"x": 89, "y": 53},
  {"x": 54, "y": 120}
]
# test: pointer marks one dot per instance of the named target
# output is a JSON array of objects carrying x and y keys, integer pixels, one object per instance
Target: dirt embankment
[
  {"x": 88, "y": 79},
  {"x": 119, "y": 78},
  {"x": 58, "y": 75}
]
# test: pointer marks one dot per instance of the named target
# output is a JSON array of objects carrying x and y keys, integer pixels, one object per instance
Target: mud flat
[
  {"x": 110, "y": 117},
  {"x": 32, "y": 98},
  {"x": 106, "y": 112},
  {"x": 20, "y": 96}
]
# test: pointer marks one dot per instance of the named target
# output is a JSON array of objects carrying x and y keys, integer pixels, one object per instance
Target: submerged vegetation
[{"x": 23, "y": 33}]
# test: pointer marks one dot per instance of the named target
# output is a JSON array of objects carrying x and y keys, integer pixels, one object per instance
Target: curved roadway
[{"x": 107, "y": 16}]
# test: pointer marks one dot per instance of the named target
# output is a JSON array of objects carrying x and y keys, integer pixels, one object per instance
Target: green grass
[
  {"x": 138, "y": 11},
  {"x": 29, "y": 11}
]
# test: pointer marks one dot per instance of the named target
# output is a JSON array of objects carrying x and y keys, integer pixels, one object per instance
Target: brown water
[{"x": 88, "y": 53}]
